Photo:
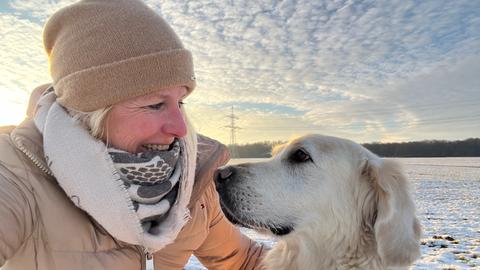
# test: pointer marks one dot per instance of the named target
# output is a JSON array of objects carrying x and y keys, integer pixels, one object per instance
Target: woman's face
[{"x": 149, "y": 122}]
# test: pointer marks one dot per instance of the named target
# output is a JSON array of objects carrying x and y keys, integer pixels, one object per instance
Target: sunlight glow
[{"x": 13, "y": 106}]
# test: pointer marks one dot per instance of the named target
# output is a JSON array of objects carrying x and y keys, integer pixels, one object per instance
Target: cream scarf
[{"x": 87, "y": 174}]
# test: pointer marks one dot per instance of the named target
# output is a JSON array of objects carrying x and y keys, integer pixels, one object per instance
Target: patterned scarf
[{"x": 151, "y": 179}]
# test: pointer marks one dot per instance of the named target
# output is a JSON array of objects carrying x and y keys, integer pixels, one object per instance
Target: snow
[{"x": 447, "y": 192}]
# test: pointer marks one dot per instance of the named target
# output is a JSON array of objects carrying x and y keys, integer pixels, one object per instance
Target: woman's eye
[
  {"x": 157, "y": 106},
  {"x": 160, "y": 105}
]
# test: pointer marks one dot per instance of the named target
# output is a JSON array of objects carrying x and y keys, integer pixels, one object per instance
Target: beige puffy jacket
[{"x": 40, "y": 228}]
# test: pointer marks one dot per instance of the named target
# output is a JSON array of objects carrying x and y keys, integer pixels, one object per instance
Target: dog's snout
[{"x": 223, "y": 175}]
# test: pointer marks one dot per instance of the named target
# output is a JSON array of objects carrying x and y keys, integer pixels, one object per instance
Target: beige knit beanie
[{"x": 105, "y": 51}]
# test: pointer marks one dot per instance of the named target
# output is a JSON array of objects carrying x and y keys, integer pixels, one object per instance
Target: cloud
[
  {"x": 24, "y": 63},
  {"x": 445, "y": 98},
  {"x": 346, "y": 68},
  {"x": 38, "y": 10}
]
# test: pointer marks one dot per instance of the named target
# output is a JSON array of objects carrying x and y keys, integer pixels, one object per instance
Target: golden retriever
[{"x": 332, "y": 203}]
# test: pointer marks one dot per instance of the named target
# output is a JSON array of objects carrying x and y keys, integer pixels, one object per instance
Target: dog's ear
[{"x": 397, "y": 229}]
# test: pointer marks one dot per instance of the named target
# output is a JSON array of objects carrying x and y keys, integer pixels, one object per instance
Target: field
[{"x": 447, "y": 192}]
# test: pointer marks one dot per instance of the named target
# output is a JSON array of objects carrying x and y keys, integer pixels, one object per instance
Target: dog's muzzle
[
  {"x": 223, "y": 175},
  {"x": 225, "y": 178}
]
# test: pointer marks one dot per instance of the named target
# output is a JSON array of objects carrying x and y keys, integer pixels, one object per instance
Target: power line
[
  {"x": 232, "y": 126},
  {"x": 468, "y": 121},
  {"x": 427, "y": 110}
]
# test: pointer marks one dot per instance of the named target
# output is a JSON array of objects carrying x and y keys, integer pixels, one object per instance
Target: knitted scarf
[{"x": 92, "y": 177}]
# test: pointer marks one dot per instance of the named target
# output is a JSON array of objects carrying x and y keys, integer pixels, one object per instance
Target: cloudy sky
[{"x": 395, "y": 70}]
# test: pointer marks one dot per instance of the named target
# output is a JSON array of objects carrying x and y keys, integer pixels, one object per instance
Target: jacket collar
[{"x": 211, "y": 154}]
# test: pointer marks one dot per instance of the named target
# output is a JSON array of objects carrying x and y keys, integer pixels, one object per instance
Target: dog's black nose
[{"x": 223, "y": 175}]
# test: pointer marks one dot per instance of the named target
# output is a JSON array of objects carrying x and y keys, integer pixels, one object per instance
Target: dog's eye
[{"x": 300, "y": 155}]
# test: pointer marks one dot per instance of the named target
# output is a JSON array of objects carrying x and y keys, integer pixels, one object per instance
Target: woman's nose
[{"x": 175, "y": 125}]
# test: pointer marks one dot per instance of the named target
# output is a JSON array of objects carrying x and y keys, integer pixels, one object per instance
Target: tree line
[{"x": 429, "y": 148}]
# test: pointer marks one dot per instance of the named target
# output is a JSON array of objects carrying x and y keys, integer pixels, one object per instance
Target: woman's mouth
[{"x": 156, "y": 147}]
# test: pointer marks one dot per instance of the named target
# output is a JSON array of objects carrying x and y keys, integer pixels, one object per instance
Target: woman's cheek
[{"x": 150, "y": 125}]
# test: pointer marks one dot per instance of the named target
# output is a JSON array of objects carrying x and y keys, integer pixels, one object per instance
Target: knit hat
[{"x": 102, "y": 52}]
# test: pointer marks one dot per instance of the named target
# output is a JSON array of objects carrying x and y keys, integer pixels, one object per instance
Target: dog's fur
[{"x": 332, "y": 203}]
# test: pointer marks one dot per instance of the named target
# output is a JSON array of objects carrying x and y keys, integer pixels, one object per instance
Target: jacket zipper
[
  {"x": 146, "y": 256},
  {"x": 32, "y": 158}
]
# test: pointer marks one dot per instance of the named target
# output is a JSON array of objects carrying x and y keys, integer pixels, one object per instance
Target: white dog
[{"x": 332, "y": 203}]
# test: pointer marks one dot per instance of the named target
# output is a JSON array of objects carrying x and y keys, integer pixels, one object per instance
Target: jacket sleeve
[
  {"x": 16, "y": 214},
  {"x": 225, "y": 247}
]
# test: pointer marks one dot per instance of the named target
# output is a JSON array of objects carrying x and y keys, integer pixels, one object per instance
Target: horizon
[
  {"x": 402, "y": 142},
  {"x": 387, "y": 72}
]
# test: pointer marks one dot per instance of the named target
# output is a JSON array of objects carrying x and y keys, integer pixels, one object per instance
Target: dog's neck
[{"x": 329, "y": 251}]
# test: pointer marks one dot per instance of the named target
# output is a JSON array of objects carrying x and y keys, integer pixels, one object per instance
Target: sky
[{"x": 369, "y": 71}]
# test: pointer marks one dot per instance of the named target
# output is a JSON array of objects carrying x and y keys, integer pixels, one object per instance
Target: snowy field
[{"x": 447, "y": 192}]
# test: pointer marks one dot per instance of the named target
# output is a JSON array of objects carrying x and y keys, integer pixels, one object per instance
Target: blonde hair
[
  {"x": 190, "y": 128},
  {"x": 94, "y": 122}
]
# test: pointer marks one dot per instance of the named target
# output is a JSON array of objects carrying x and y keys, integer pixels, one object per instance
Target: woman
[{"x": 108, "y": 171}]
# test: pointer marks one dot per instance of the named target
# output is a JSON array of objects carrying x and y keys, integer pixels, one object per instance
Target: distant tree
[{"x": 428, "y": 148}]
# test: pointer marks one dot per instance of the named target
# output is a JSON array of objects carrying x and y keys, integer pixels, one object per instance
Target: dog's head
[{"x": 328, "y": 183}]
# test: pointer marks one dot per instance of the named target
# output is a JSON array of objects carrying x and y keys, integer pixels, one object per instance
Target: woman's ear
[{"x": 397, "y": 229}]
